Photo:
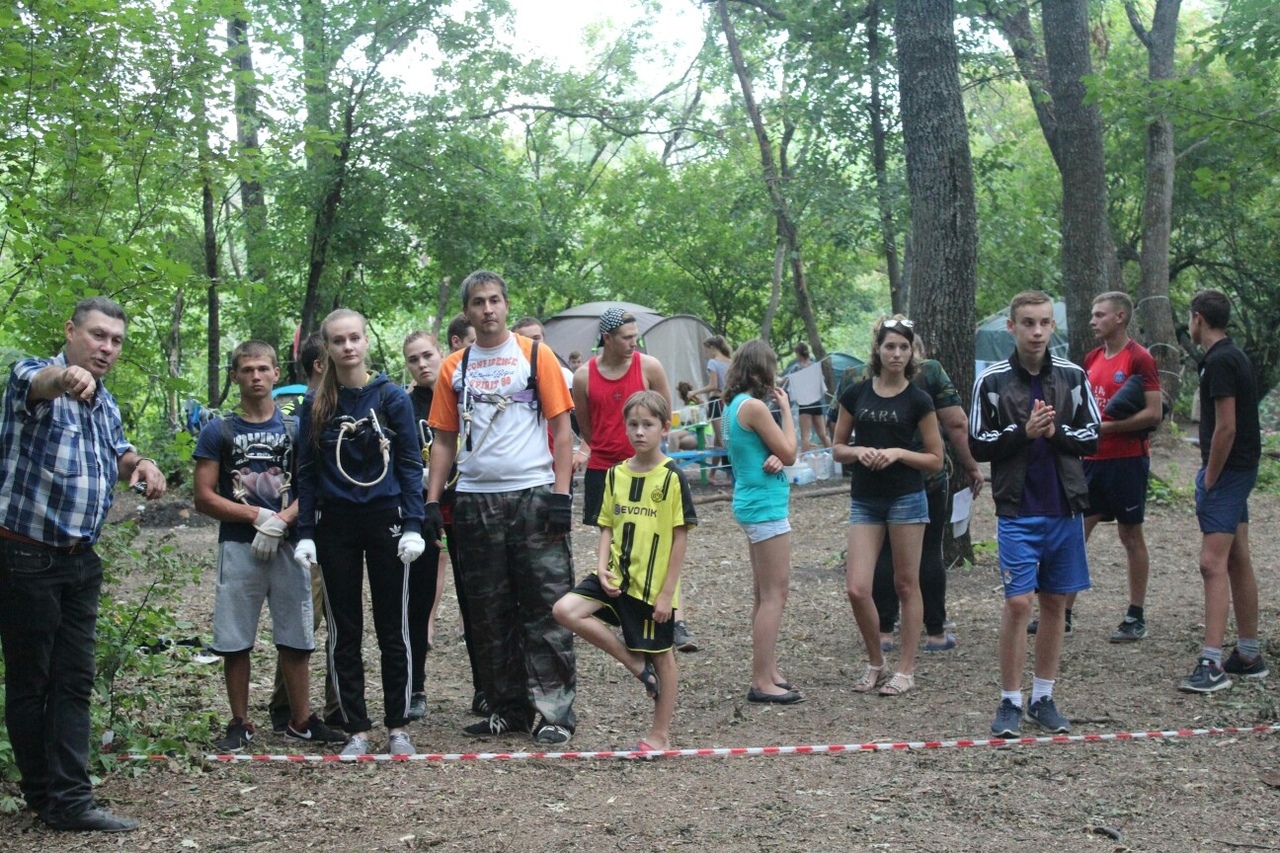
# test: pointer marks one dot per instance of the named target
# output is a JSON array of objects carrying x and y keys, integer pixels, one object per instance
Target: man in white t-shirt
[{"x": 493, "y": 406}]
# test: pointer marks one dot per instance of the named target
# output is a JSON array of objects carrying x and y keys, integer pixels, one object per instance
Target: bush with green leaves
[{"x": 145, "y": 700}]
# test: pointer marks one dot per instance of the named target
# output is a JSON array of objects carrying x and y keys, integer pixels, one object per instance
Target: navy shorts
[
  {"x": 1042, "y": 553},
  {"x": 816, "y": 410},
  {"x": 1226, "y": 506},
  {"x": 592, "y": 495},
  {"x": 635, "y": 617},
  {"x": 1118, "y": 488}
]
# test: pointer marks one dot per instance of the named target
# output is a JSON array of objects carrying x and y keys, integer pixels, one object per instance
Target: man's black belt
[{"x": 78, "y": 548}]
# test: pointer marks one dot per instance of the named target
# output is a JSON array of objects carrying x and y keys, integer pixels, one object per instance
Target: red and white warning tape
[{"x": 830, "y": 749}]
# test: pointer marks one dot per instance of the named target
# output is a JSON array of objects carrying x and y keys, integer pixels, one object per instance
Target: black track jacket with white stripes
[{"x": 997, "y": 427}]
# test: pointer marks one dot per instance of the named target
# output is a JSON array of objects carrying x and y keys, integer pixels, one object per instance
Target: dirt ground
[{"x": 1195, "y": 793}]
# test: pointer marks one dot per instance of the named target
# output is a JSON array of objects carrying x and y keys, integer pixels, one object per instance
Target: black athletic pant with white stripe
[{"x": 346, "y": 542}]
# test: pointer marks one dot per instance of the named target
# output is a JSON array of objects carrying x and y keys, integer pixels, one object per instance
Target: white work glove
[
  {"x": 271, "y": 529},
  {"x": 305, "y": 553},
  {"x": 411, "y": 547}
]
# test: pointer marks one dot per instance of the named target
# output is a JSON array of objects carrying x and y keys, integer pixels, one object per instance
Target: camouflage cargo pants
[{"x": 513, "y": 574}]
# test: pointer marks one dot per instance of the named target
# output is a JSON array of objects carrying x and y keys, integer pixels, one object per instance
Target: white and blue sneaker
[{"x": 1207, "y": 677}]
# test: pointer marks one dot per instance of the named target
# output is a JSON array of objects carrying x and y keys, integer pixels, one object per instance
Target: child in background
[{"x": 644, "y": 525}]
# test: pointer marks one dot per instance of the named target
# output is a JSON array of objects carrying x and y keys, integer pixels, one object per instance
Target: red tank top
[{"x": 605, "y": 398}]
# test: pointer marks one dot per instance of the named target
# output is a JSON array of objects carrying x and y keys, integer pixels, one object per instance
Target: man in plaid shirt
[{"x": 62, "y": 449}]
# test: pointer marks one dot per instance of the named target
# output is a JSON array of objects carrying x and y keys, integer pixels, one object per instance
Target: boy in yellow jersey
[{"x": 644, "y": 524}]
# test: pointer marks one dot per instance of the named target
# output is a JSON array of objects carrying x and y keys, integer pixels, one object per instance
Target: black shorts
[
  {"x": 592, "y": 495},
  {"x": 1118, "y": 488},
  {"x": 715, "y": 407},
  {"x": 635, "y": 617},
  {"x": 817, "y": 410}
]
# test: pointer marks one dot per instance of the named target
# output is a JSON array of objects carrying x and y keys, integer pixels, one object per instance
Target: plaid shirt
[{"x": 59, "y": 460}]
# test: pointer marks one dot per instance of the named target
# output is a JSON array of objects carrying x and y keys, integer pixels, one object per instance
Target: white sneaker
[
  {"x": 357, "y": 745},
  {"x": 398, "y": 744}
]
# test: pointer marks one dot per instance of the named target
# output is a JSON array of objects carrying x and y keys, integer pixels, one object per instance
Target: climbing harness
[{"x": 527, "y": 396}]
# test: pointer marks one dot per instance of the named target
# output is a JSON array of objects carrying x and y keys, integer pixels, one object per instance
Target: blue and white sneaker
[
  {"x": 1045, "y": 714},
  {"x": 1008, "y": 721},
  {"x": 1207, "y": 677}
]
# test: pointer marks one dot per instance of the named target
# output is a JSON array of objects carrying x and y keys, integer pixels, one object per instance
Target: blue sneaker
[
  {"x": 1045, "y": 714},
  {"x": 1008, "y": 721},
  {"x": 1207, "y": 677}
]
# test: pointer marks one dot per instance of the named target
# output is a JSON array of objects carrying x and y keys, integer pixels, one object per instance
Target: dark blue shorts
[
  {"x": 635, "y": 617},
  {"x": 1042, "y": 553},
  {"x": 1118, "y": 488},
  {"x": 1226, "y": 506}
]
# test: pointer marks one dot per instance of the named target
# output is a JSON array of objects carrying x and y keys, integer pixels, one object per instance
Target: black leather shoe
[
  {"x": 759, "y": 697},
  {"x": 93, "y": 820}
]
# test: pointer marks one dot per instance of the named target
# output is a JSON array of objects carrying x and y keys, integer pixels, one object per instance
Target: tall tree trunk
[
  {"x": 775, "y": 288},
  {"x": 443, "y": 314},
  {"x": 214, "y": 353},
  {"x": 264, "y": 325},
  {"x": 1154, "y": 311},
  {"x": 944, "y": 232},
  {"x": 173, "y": 355},
  {"x": 209, "y": 248},
  {"x": 1086, "y": 239},
  {"x": 325, "y": 169},
  {"x": 787, "y": 228},
  {"x": 884, "y": 196}
]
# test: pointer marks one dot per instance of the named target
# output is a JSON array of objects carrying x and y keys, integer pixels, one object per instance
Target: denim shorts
[
  {"x": 761, "y": 531},
  {"x": 1226, "y": 506},
  {"x": 911, "y": 508}
]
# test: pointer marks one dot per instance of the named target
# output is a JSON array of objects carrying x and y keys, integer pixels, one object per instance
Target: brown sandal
[
  {"x": 871, "y": 678},
  {"x": 899, "y": 684}
]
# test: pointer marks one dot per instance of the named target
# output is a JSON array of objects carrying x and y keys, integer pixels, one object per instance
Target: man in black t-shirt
[{"x": 1230, "y": 448}]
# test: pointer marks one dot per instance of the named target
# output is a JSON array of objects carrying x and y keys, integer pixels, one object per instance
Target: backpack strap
[
  {"x": 533, "y": 378},
  {"x": 464, "y": 409}
]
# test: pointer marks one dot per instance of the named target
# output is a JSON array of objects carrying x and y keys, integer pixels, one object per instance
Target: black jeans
[
  {"x": 48, "y": 620},
  {"x": 933, "y": 575},
  {"x": 347, "y": 543}
]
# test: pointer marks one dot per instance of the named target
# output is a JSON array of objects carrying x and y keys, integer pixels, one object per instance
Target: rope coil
[{"x": 349, "y": 428}]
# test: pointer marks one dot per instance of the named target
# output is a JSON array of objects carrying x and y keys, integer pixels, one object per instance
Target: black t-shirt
[
  {"x": 884, "y": 422},
  {"x": 1225, "y": 371}
]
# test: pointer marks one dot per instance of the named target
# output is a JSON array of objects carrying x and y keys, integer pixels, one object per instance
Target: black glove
[
  {"x": 433, "y": 524},
  {"x": 559, "y": 514}
]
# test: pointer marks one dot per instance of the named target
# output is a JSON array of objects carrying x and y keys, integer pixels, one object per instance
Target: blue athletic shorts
[
  {"x": 1042, "y": 553},
  {"x": 911, "y": 508},
  {"x": 1118, "y": 488},
  {"x": 1226, "y": 506}
]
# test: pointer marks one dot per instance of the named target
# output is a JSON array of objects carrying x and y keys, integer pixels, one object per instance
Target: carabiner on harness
[{"x": 349, "y": 428}]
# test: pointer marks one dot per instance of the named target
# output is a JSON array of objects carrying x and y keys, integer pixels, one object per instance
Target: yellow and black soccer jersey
[{"x": 643, "y": 510}]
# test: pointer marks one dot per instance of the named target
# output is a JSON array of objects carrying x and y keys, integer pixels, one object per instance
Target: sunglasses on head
[{"x": 893, "y": 323}]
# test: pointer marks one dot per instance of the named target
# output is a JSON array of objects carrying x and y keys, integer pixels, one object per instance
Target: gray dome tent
[
  {"x": 675, "y": 341},
  {"x": 992, "y": 341}
]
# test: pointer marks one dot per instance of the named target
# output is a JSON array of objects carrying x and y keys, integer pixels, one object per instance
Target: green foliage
[
  {"x": 1162, "y": 492},
  {"x": 142, "y": 702},
  {"x": 1269, "y": 466}
]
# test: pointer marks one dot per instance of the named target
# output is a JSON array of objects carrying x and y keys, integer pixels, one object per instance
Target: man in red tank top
[{"x": 600, "y": 389}]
